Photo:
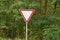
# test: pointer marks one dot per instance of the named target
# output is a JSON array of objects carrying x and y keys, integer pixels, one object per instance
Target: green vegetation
[{"x": 44, "y": 24}]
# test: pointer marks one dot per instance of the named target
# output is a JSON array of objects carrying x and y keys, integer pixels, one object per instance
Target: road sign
[{"x": 26, "y": 14}]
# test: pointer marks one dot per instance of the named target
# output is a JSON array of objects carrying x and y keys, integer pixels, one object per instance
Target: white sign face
[{"x": 26, "y": 14}]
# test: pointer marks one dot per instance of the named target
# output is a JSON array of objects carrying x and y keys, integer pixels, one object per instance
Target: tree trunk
[
  {"x": 55, "y": 7},
  {"x": 45, "y": 8}
]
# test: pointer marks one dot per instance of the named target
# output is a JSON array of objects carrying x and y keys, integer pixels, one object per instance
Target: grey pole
[{"x": 26, "y": 31}]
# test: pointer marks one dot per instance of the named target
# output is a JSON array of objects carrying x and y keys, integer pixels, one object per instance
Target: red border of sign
[{"x": 26, "y": 10}]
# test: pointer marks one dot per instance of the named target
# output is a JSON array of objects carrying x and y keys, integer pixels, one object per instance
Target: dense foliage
[{"x": 44, "y": 24}]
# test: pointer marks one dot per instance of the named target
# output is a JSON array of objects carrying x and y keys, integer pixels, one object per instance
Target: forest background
[{"x": 44, "y": 24}]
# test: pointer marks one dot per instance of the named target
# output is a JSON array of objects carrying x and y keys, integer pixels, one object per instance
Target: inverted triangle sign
[{"x": 26, "y": 14}]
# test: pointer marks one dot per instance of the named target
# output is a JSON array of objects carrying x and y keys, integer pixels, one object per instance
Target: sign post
[
  {"x": 26, "y": 14},
  {"x": 26, "y": 30}
]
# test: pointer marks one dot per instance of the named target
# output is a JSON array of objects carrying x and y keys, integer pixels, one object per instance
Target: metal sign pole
[{"x": 26, "y": 31}]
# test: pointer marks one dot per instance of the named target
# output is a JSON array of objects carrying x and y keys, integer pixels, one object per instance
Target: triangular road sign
[{"x": 26, "y": 14}]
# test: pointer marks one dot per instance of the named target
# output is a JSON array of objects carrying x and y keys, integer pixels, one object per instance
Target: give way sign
[{"x": 26, "y": 14}]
